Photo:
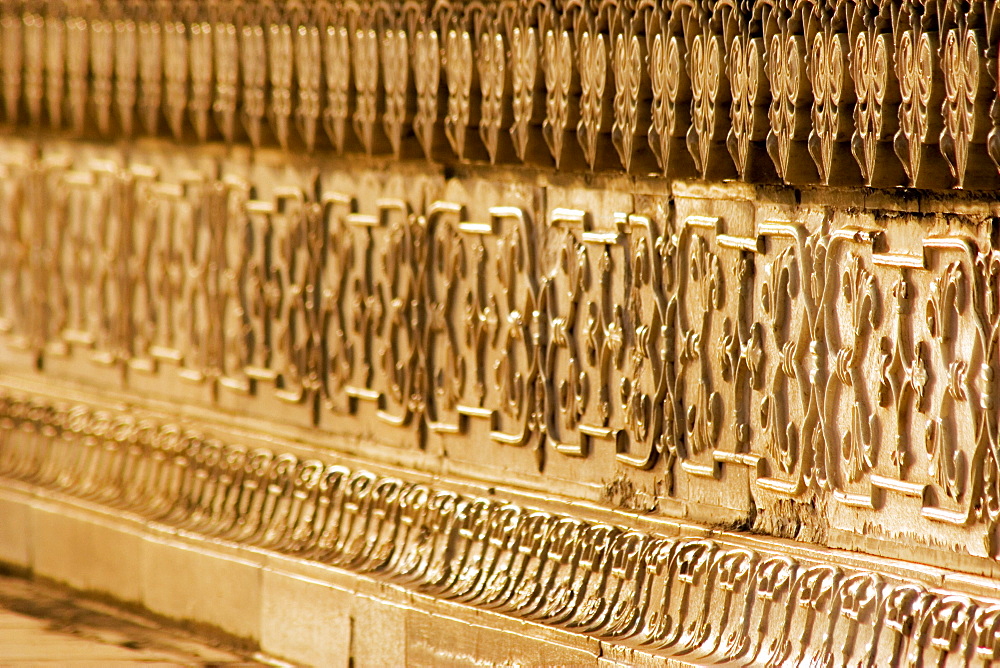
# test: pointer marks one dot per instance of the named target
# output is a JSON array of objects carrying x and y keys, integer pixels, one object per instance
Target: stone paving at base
[{"x": 44, "y": 626}]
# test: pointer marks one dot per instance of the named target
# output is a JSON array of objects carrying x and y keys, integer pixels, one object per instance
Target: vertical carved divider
[
  {"x": 710, "y": 89},
  {"x": 786, "y": 57},
  {"x": 967, "y": 86},
  {"x": 451, "y": 316},
  {"x": 877, "y": 92},
  {"x": 525, "y": 35},
  {"x": 743, "y": 31},
  {"x": 670, "y": 89},
  {"x": 918, "y": 69},
  {"x": 458, "y": 64},
  {"x": 828, "y": 65}
]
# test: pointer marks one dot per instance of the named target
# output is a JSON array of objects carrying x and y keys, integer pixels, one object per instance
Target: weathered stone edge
[{"x": 694, "y": 599}]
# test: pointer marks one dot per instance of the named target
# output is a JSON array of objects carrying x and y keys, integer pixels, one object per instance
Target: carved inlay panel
[{"x": 707, "y": 354}]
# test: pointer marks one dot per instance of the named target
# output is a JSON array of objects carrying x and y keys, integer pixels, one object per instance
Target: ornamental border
[
  {"x": 773, "y": 91},
  {"x": 622, "y": 586}
]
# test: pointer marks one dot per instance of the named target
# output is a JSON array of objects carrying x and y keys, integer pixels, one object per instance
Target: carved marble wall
[
  {"x": 693, "y": 268},
  {"x": 718, "y": 353}
]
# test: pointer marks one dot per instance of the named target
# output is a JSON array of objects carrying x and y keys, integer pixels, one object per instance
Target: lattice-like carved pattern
[
  {"x": 720, "y": 352},
  {"x": 818, "y": 92}
]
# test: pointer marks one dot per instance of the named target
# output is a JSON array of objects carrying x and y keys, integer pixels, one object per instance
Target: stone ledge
[{"x": 253, "y": 527}]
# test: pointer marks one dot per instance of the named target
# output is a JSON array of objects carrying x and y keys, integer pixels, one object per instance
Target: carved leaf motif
[
  {"x": 102, "y": 54},
  {"x": 227, "y": 61},
  {"x": 873, "y": 77},
  {"x": 961, "y": 69},
  {"x": 253, "y": 61},
  {"x": 593, "y": 68},
  {"x": 126, "y": 64},
  {"x": 308, "y": 74},
  {"x": 365, "y": 59},
  {"x": 523, "y": 69},
  {"x": 150, "y": 70},
  {"x": 55, "y": 65},
  {"x": 916, "y": 69},
  {"x": 202, "y": 73},
  {"x": 337, "y": 71},
  {"x": 627, "y": 66},
  {"x": 557, "y": 63},
  {"x": 33, "y": 31},
  {"x": 786, "y": 58},
  {"x": 705, "y": 69},
  {"x": 458, "y": 74},
  {"x": 426, "y": 79},
  {"x": 395, "y": 69},
  {"x": 175, "y": 65},
  {"x": 831, "y": 86},
  {"x": 665, "y": 72},
  {"x": 491, "y": 63},
  {"x": 747, "y": 78},
  {"x": 947, "y": 464}
]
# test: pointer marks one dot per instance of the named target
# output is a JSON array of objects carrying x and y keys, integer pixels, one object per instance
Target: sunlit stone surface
[{"x": 543, "y": 334}]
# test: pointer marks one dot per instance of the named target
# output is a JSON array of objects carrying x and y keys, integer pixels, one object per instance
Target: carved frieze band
[
  {"x": 698, "y": 599},
  {"x": 829, "y": 92},
  {"x": 810, "y": 354}
]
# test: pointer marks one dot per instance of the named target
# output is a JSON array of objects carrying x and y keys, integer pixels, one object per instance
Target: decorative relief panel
[
  {"x": 714, "y": 601},
  {"x": 703, "y": 350},
  {"x": 772, "y": 91}
]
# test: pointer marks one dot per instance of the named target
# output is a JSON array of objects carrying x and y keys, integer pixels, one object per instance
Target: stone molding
[
  {"x": 707, "y": 353},
  {"x": 857, "y": 93},
  {"x": 695, "y": 599}
]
